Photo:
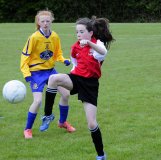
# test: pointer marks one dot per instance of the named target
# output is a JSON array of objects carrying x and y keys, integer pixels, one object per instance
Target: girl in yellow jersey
[{"x": 38, "y": 58}]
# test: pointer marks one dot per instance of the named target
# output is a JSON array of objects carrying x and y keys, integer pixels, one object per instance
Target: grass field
[{"x": 129, "y": 107}]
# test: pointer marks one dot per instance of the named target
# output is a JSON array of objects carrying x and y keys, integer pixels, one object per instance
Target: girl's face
[
  {"x": 83, "y": 33},
  {"x": 44, "y": 22}
]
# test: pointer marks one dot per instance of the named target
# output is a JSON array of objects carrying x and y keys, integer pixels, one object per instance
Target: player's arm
[
  {"x": 73, "y": 58},
  {"x": 98, "y": 56},
  {"x": 25, "y": 59},
  {"x": 101, "y": 49}
]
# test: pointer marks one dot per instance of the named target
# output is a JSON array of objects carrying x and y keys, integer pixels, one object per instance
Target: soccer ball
[{"x": 14, "y": 91}]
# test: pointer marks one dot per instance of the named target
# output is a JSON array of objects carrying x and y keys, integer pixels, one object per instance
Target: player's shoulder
[
  {"x": 35, "y": 34},
  {"x": 54, "y": 34}
]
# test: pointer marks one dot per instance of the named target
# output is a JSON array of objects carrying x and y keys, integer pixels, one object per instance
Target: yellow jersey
[{"x": 40, "y": 53}]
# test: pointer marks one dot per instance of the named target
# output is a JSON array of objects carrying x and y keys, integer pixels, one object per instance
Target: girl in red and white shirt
[{"x": 87, "y": 55}]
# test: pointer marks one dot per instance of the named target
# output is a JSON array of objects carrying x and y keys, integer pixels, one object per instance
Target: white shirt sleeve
[
  {"x": 74, "y": 62},
  {"x": 98, "y": 56}
]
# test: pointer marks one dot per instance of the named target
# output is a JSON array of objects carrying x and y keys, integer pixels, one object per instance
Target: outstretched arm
[{"x": 101, "y": 49}]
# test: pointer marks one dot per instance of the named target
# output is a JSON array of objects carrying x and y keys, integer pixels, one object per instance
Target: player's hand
[
  {"x": 83, "y": 42},
  {"x": 67, "y": 62}
]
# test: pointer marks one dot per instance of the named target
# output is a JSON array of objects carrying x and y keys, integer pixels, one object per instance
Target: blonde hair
[{"x": 44, "y": 13}]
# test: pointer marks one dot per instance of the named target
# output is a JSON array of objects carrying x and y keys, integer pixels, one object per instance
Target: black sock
[
  {"x": 97, "y": 140},
  {"x": 49, "y": 101}
]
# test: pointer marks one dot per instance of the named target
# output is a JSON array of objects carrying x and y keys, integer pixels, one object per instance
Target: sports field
[{"x": 129, "y": 106}]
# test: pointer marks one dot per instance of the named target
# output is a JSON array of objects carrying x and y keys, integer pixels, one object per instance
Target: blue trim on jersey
[
  {"x": 33, "y": 65},
  {"x": 25, "y": 54},
  {"x": 27, "y": 46},
  {"x": 41, "y": 31}
]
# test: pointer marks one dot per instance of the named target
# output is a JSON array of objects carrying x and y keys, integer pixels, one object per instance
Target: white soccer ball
[{"x": 14, "y": 91}]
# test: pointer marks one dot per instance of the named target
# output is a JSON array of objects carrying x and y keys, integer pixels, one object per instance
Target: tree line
[{"x": 70, "y": 10}]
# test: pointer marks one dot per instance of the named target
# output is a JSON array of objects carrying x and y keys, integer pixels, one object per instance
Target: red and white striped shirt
[{"x": 86, "y": 65}]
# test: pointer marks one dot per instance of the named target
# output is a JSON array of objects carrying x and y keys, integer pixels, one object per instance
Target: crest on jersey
[
  {"x": 46, "y": 55},
  {"x": 35, "y": 86}
]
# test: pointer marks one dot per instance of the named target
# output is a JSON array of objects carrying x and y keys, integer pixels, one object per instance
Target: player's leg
[
  {"x": 48, "y": 109},
  {"x": 48, "y": 116},
  {"x": 50, "y": 97},
  {"x": 54, "y": 81},
  {"x": 64, "y": 107},
  {"x": 32, "y": 113},
  {"x": 91, "y": 111}
]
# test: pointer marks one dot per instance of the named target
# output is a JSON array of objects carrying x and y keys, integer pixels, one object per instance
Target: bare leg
[
  {"x": 62, "y": 80},
  {"x": 91, "y": 111},
  {"x": 37, "y": 99}
]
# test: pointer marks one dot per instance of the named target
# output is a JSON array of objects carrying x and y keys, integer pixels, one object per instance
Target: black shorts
[{"x": 87, "y": 88}]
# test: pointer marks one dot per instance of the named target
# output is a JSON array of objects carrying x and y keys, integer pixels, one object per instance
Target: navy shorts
[
  {"x": 86, "y": 88},
  {"x": 40, "y": 79}
]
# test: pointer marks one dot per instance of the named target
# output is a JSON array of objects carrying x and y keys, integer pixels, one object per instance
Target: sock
[
  {"x": 97, "y": 140},
  {"x": 63, "y": 113},
  {"x": 30, "y": 120},
  {"x": 49, "y": 101}
]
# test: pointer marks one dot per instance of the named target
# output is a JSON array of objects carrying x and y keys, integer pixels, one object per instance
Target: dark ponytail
[{"x": 101, "y": 30}]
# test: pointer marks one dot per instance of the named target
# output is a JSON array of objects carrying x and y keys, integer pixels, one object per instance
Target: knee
[
  {"x": 92, "y": 125},
  {"x": 37, "y": 102},
  {"x": 52, "y": 79}
]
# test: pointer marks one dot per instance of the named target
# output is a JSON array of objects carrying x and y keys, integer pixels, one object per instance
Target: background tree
[{"x": 69, "y": 10}]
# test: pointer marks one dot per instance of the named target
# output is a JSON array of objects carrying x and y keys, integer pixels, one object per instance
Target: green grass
[{"x": 129, "y": 106}]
